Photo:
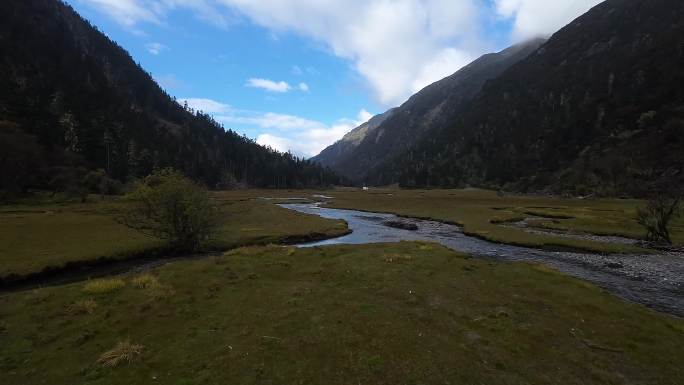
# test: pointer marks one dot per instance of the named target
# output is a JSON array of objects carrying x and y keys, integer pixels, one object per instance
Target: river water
[{"x": 655, "y": 280}]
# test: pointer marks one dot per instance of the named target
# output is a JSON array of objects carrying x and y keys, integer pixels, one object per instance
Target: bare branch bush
[{"x": 656, "y": 216}]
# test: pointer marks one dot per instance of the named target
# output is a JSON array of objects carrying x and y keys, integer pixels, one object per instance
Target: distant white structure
[{"x": 365, "y": 188}]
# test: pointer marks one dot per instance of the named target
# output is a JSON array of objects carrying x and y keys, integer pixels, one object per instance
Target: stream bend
[{"x": 654, "y": 280}]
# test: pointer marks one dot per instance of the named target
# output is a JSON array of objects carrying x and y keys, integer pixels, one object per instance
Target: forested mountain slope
[
  {"x": 434, "y": 107},
  {"x": 599, "y": 108},
  {"x": 73, "y": 100},
  {"x": 341, "y": 150}
]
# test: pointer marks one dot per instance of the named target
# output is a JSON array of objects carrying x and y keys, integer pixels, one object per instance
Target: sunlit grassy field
[
  {"x": 408, "y": 313},
  {"x": 479, "y": 211},
  {"x": 32, "y": 238},
  {"x": 41, "y": 235}
]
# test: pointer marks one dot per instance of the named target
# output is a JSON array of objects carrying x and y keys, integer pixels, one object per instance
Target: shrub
[
  {"x": 69, "y": 180},
  {"x": 104, "y": 286},
  {"x": 169, "y": 206},
  {"x": 123, "y": 352},
  {"x": 646, "y": 119},
  {"x": 656, "y": 216},
  {"x": 98, "y": 182}
]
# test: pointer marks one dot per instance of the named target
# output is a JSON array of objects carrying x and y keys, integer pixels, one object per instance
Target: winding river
[{"x": 655, "y": 280}]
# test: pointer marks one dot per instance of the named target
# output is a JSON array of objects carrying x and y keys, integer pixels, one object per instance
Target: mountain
[
  {"x": 332, "y": 155},
  {"x": 392, "y": 133},
  {"x": 599, "y": 108},
  {"x": 72, "y": 100}
]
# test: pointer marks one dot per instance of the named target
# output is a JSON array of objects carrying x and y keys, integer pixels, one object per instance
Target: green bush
[
  {"x": 168, "y": 205},
  {"x": 98, "y": 182}
]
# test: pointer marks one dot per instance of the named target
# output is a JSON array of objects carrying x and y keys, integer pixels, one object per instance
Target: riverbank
[
  {"x": 655, "y": 279},
  {"x": 481, "y": 213}
]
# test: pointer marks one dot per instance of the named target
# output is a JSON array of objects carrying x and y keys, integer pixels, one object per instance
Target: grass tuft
[
  {"x": 389, "y": 258},
  {"x": 154, "y": 288},
  {"x": 86, "y": 306},
  {"x": 124, "y": 352},
  {"x": 160, "y": 292},
  {"x": 104, "y": 286},
  {"x": 145, "y": 281}
]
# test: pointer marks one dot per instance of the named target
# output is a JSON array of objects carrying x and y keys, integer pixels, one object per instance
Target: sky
[{"x": 296, "y": 75}]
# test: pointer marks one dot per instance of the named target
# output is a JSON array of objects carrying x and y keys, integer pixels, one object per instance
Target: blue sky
[{"x": 298, "y": 74}]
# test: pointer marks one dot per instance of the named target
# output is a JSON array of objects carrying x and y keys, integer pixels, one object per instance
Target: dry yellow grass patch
[
  {"x": 123, "y": 352},
  {"x": 145, "y": 281},
  {"x": 86, "y": 306},
  {"x": 104, "y": 286},
  {"x": 397, "y": 258},
  {"x": 152, "y": 286}
]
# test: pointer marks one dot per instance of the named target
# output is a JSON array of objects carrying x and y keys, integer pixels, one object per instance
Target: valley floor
[
  {"x": 409, "y": 312},
  {"x": 52, "y": 235},
  {"x": 560, "y": 223}
]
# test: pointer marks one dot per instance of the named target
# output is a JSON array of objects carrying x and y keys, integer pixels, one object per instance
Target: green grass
[
  {"x": 250, "y": 221},
  {"x": 44, "y": 233},
  {"x": 52, "y": 236},
  {"x": 479, "y": 212},
  {"x": 33, "y": 237},
  {"x": 408, "y": 313}
]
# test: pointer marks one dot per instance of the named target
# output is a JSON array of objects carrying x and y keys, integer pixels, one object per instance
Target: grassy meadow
[
  {"x": 480, "y": 212},
  {"x": 407, "y": 313},
  {"x": 403, "y": 313},
  {"x": 33, "y": 237},
  {"x": 47, "y": 234}
]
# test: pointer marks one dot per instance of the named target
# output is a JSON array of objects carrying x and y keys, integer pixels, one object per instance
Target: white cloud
[
  {"x": 276, "y": 143},
  {"x": 127, "y": 12},
  {"x": 312, "y": 137},
  {"x": 541, "y": 17},
  {"x": 390, "y": 43},
  {"x": 268, "y": 85},
  {"x": 303, "y": 87},
  {"x": 363, "y": 117},
  {"x": 156, "y": 48},
  {"x": 206, "y": 105},
  {"x": 397, "y": 46},
  {"x": 440, "y": 67},
  {"x": 131, "y": 12},
  {"x": 303, "y": 137},
  {"x": 270, "y": 120}
]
